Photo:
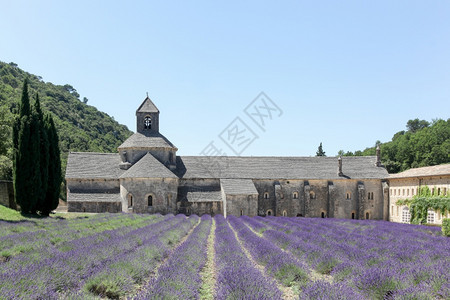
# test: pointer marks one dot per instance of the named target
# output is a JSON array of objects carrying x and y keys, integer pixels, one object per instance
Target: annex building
[
  {"x": 407, "y": 184},
  {"x": 147, "y": 176}
]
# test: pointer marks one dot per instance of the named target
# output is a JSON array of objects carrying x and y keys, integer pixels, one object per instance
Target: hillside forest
[{"x": 81, "y": 127}]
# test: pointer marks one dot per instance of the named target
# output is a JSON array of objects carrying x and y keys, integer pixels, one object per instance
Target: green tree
[
  {"x": 416, "y": 124},
  {"x": 320, "y": 151},
  {"x": 43, "y": 154},
  {"x": 6, "y": 123},
  {"x": 26, "y": 173},
  {"x": 54, "y": 168}
]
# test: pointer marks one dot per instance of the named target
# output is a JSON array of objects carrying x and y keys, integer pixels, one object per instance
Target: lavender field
[{"x": 129, "y": 256}]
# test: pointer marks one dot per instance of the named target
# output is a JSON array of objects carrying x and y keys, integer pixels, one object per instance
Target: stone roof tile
[
  {"x": 93, "y": 165},
  {"x": 424, "y": 171},
  {"x": 356, "y": 167},
  {"x": 147, "y": 106},
  {"x": 238, "y": 186},
  {"x": 150, "y": 140},
  {"x": 148, "y": 167},
  {"x": 93, "y": 197}
]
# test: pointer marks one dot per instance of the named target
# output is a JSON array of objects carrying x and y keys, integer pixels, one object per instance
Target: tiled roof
[
  {"x": 424, "y": 171},
  {"x": 238, "y": 186},
  {"x": 356, "y": 167},
  {"x": 151, "y": 140},
  {"x": 148, "y": 167},
  {"x": 93, "y": 165},
  {"x": 147, "y": 106},
  {"x": 204, "y": 196},
  {"x": 93, "y": 197}
]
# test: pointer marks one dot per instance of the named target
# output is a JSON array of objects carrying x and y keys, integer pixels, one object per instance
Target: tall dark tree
[
  {"x": 320, "y": 151},
  {"x": 54, "y": 167},
  {"x": 26, "y": 173},
  {"x": 43, "y": 154}
]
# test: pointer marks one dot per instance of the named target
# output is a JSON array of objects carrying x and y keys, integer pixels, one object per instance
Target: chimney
[
  {"x": 378, "y": 156},
  {"x": 340, "y": 166}
]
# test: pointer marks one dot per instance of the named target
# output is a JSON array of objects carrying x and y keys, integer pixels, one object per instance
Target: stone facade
[
  {"x": 406, "y": 184},
  {"x": 147, "y": 176}
]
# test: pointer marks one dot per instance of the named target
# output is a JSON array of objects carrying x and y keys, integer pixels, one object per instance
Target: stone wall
[
  {"x": 238, "y": 205},
  {"x": 94, "y": 207},
  {"x": 7, "y": 194},
  {"x": 163, "y": 191},
  {"x": 93, "y": 185}
]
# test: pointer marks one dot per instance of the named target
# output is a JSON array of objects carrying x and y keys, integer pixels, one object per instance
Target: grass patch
[{"x": 8, "y": 214}]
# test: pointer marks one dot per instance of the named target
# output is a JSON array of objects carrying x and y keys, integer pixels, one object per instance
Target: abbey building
[{"x": 147, "y": 176}]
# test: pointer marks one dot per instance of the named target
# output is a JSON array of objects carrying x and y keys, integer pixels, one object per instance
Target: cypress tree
[
  {"x": 43, "y": 155},
  {"x": 54, "y": 167},
  {"x": 26, "y": 175},
  {"x": 320, "y": 151}
]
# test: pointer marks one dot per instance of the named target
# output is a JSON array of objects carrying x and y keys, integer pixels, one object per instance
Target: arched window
[
  {"x": 348, "y": 195},
  {"x": 406, "y": 215},
  {"x": 249, "y": 197},
  {"x": 242, "y": 212},
  {"x": 284, "y": 213},
  {"x": 439, "y": 191},
  {"x": 266, "y": 195},
  {"x": 295, "y": 195},
  {"x": 147, "y": 122},
  {"x": 322, "y": 215},
  {"x": 312, "y": 195},
  {"x": 169, "y": 198},
  {"x": 353, "y": 215},
  {"x": 130, "y": 200},
  {"x": 150, "y": 200},
  {"x": 269, "y": 212},
  {"x": 367, "y": 216}
]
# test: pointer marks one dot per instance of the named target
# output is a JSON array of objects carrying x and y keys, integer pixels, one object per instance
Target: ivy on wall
[{"x": 424, "y": 200}]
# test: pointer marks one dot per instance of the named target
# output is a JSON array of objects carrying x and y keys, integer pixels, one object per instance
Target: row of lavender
[
  {"x": 109, "y": 263},
  {"x": 364, "y": 259}
]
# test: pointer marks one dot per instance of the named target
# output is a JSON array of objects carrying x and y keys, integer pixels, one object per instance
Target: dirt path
[
  {"x": 288, "y": 293},
  {"x": 209, "y": 272}
]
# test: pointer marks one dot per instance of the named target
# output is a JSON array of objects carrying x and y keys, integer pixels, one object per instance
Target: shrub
[{"x": 446, "y": 227}]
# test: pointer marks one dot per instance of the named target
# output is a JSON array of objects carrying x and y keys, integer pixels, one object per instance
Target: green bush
[{"x": 446, "y": 227}]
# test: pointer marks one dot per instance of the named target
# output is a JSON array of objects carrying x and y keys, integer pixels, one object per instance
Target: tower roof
[{"x": 147, "y": 107}]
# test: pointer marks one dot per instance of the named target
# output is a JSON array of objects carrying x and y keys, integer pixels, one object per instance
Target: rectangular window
[
  {"x": 407, "y": 192},
  {"x": 397, "y": 211},
  {"x": 430, "y": 217}
]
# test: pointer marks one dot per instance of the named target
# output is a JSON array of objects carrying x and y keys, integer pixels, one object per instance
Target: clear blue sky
[{"x": 345, "y": 73}]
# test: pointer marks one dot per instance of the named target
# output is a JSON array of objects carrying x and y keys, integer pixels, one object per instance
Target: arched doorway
[{"x": 130, "y": 200}]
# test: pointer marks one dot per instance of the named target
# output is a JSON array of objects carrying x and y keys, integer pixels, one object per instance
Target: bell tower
[{"x": 147, "y": 118}]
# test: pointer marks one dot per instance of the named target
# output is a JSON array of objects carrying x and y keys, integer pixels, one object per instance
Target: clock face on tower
[{"x": 147, "y": 123}]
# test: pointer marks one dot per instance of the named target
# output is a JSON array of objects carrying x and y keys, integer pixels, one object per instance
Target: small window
[
  {"x": 249, "y": 197},
  {"x": 242, "y": 212},
  {"x": 269, "y": 212},
  {"x": 147, "y": 122},
  {"x": 130, "y": 200},
  {"x": 295, "y": 195},
  {"x": 150, "y": 200},
  {"x": 266, "y": 195},
  {"x": 403, "y": 192},
  {"x": 395, "y": 192},
  {"x": 397, "y": 211},
  {"x": 444, "y": 191},
  {"x": 312, "y": 195},
  {"x": 392, "y": 209},
  {"x": 284, "y": 213},
  {"x": 322, "y": 215},
  {"x": 353, "y": 215},
  {"x": 367, "y": 216},
  {"x": 188, "y": 211},
  {"x": 439, "y": 191},
  {"x": 169, "y": 198},
  {"x": 406, "y": 215},
  {"x": 348, "y": 195}
]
